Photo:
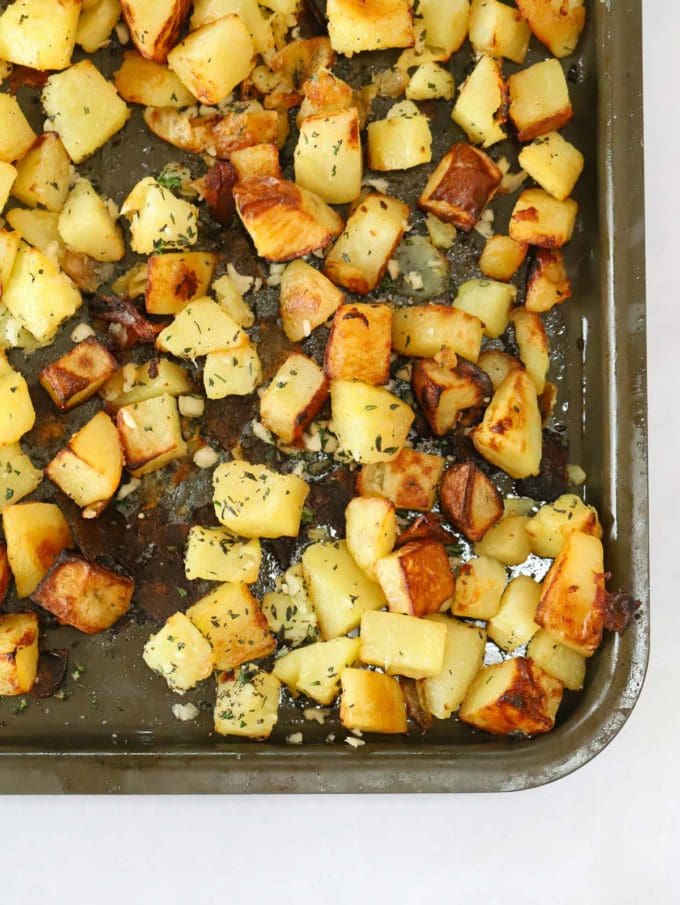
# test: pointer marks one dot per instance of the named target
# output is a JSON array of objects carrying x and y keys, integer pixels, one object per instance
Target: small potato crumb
[{"x": 185, "y": 712}]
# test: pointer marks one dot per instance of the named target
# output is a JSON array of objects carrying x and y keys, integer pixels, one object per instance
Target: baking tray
[{"x": 114, "y": 731}]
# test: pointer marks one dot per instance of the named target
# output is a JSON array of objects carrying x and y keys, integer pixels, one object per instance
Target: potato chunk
[
  {"x": 369, "y": 25},
  {"x": 359, "y": 344},
  {"x": 539, "y": 99},
  {"x": 18, "y": 652},
  {"x": 464, "y": 649},
  {"x": 247, "y": 703},
  {"x": 216, "y": 555},
  {"x": 97, "y": 21},
  {"x": 557, "y": 660},
  {"x": 515, "y": 696},
  {"x": 234, "y": 373},
  {"x": 479, "y": 588},
  {"x": 140, "y": 81},
  {"x": 401, "y": 141},
  {"x": 416, "y": 579},
  {"x": 547, "y": 284},
  {"x": 294, "y": 397},
  {"x": 429, "y": 82},
  {"x": 40, "y": 34},
  {"x": 136, "y": 383},
  {"x": 513, "y": 625},
  {"x": 402, "y": 645},
  {"x": 498, "y": 30},
  {"x": 506, "y": 541},
  {"x": 553, "y": 163},
  {"x": 8, "y": 175},
  {"x": 36, "y": 533},
  {"x": 553, "y": 522},
  {"x": 179, "y": 653},
  {"x": 444, "y": 393},
  {"x": 155, "y": 27},
  {"x": 555, "y": 23},
  {"x": 17, "y": 415},
  {"x": 86, "y": 224},
  {"x": 328, "y": 157},
  {"x": 539, "y": 219},
  {"x": 444, "y": 24},
  {"x": 410, "y": 481},
  {"x": 16, "y": 134},
  {"x": 372, "y": 702},
  {"x": 469, "y": 500},
  {"x": 436, "y": 331},
  {"x": 315, "y": 670},
  {"x": 173, "y": 280},
  {"x": 257, "y": 160},
  {"x": 489, "y": 301},
  {"x": 151, "y": 434},
  {"x": 78, "y": 374},
  {"x": 43, "y": 174},
  {"x": 371, "y": 424},
  {"x": 533, "y": 345},
  {"x": 502, "y": 257},
  {"x": 481, "y": 104},
  {"x": 371, "y": 531},
  {"x": 289, "y": 612},
  {"x": 461, "y": 186},
  {"x": 201, "y": 327},
  {"x": 158, "y": 220},
  {"x": 18, "y": 478},
  {"x": 307, "y": 300}
]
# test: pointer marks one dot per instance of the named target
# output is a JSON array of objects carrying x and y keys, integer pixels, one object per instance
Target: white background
[{"x": 608, "y": 834}]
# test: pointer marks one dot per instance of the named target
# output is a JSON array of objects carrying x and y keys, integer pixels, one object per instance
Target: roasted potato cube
[
  {"x": 18, "y": 652},
  {"x": 155, "y": 27},
  {"x": 86, "y": 224},
  {"x": 547, "y": 284},
  {"x": 315, "y": 670},
  {"x": 230, "y": 298},
  {"x": 429, "y": 82},
  {"x": 515, "y": 696},
  {"x": 38, "y": 228},
  {"x": 436, "y": 331},
  {"x": 506, "y": 541},
  {"x": 179, "y": 653},
  {"x": 539, "y": 100},
  {"x": 502, "y": 257},
  {"x": 234, "y": 373},
  {"x": 359, "y": 258},
  {"x": 250, "y": 11},
  {"x": 307, "y": 300},
  {"x": 324, "y": 92},
  {"x": 498, "y": 30},
  {"x": 96, "y": 23},
  {"x": 488, "y": 300},
  {"x": 410, "y": 481},
  {"x": 371, "y": 423},
  {"x": 557, "y": 660},
  {"x": 9, "y": 246},
  {"x": 201, "y": 327},
  {"x": 340, "y": 592},
  {"x": 401, "y": 141},
  {"x": 461, "y": 186},
  {"x": 533, "y": 345},
  {"x": 498, "y": 365},
  {"x": 283, "y": 220},
  {"x": 216, "y": 555},
  {"x": 254, "y": 501},
  {"x": 5, "y": 572},
  {"x": 289, "y": 612},
  {"x": 16, "y": 135},
  {"x": 293, "y": 398},
  {"x": 479, "y": 588},
  {"x": 553, "y": 522},
  {"x": 402, "y": 645},
  {"x": 175, "y": 279},
  {"x": 18, "y": 478},
  {"x": 539, "y": 219},
  {"x": 555, "y": 23},
  {"x": 359, "y": 344},
  {"x": 257, "y": 160},
  {"x": 510, "y": 435},
  {"x": 78, "y": 374},
  {"x": 84, "y": 108},
  {"x": 247, "y": 703},
  {"x": 372, "y": 702},
  {"x": 469, "y": 500},
  {"x": 17, "y": 415},
  {"x": 40, "y": 34},
  {"x": 464, "y": 650},
  {"x": 416, "y": 579},
  {"x": 513, "y": 625},
  {"x": 43, "y": 174},
  {"x": 136, "y": 383},
  {"x": 371, "y": 531},
  {"x": 480, "y": 109},
  {"x": 444, "y": 393},
  {"x": 36, "y": 533},
  {"x": 141, "y": 81},
  {"x": 369, "y": 25},
  {"x": 328, "y": 157},
  {"x": 158, "y": 219},
  {"x": 553, "y": 163},
  {"x": 8, "y": 175},
  {"x": 151, "y": 434}
]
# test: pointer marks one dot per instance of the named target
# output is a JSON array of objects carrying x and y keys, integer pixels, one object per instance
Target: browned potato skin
[
  {"x": 547, "y": 401},
  {"x": 359, "y": 344},
  {"x": 461, "y": 186},
  {"x": 424, "y": 575},
  {"x": 5, "y": 572},
  {"x": 84, "y": 594},
  {"x": 426, "y": 527},
  {"x": 547, "y": 281},
  {"x": 217, "y": 135},
  {"x": 78, "y": 374},
  {"x": 299, "y": 60},
  {"x": 469, "y": 384},
  {"x": 158, "y": 47},
  {"x": 469, "y": 500},
  {"x": 413, "y": 480}
]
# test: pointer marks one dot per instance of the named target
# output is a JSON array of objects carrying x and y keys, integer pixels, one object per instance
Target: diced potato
[
  {"x": 498, "y": 365},
  {"x": 18, "y": 652},
  {"x": 443, "y": 393},
  {"x": 416, "y": 579},
  {"x": 257, "y": 160},
  {"x": 40, "y": 34},
  {"x": 260, "y": 28},
  {"x": 498, "y": 30},
  {"x": 502, "y": 257},
  {"x": 36, "y": 533},
  {"x": 371, "y": 531},
  {"x": 510, "y": 435},
  {"x": 43, "y": 174},
  {"x": 328, "y": 157},
  {"x": 200, "y": 327},
  {"x": 553, "y": 522},
  {"x": 175, "y": 279},
  {"x": 140, "y": 81},
  {"x": 294, "y": 397},
  {"x": 489, "y": 301},
  {"x": 179, "y": 653},
  {"x": 553, "y": 163},
  {"x": 339, "y": 590},
  {"x": 431, "y": 81},
  {"x": 464, "y": 648},
  {"x": 533, "y": 345},
  {"x": 539, "y": 99},
  {"x": 9, "y": 246},
  {"x": 96, "y": 23},
  {"x": 86, "y": 224},
  {"x": 247, "y": 703},
  {"x": 289, "y": 612},
  {"x": 507, "y": 541},
  {"x": 572, "y": 604},
  {"x": 359, "y": 344},
  {"x": 557, "y": 660},
  {"x": 513, "y": 625},
  {"x": 372, "y": 702},
  {"x": 315, "y": 670},
  {"x": 469, "y": 500},
  {"x": 547, "y": 284},
  {"x": 480, "y": 109},
  {"x": 216, "y": 555},
  {"x": 461, "y": 186},
  {"x": 84, "y": 108},
  {"x": 151, "y": 434},
  {"x": 18, "y": 478},
  {"x": 254, "y": 501},
  {"x": 38, "y": 228},
  {"x": 401, "y": 141},
  {"x": 371, "y": 423},
  {"x": 369, "y": 25},
  {"x": 479, "y": 588},
  {"x": 283, "y": 220},
  {"x": 159, "y": 220},
  {"x": 230, "y": 298},
  {"x": 402, "y": 645},
  {"x": 436, "y": 331},
  {"x": 515, "y": 696},
  {"x": 219, "y": 136},
  {"x": 8, "y": 175},
  {"x": 17, "y": 415},
  {"x": 307, "y": 300},
  {"x": 444, "y": 25},
  {"x": 359, "y": 258},
  {"x": 555, "y": 23},
  {"x": 410, "y": 481},
  {"x": 539, "y": 219},
  {"x": 234, "y": 373},
  {"x": 16, "y": 135},
  {"x": 231, "y": 620},
  {"x": 324, "y": 93},
  {"x": 136, "y": 383},
  {"x": 155, "y": 27}
]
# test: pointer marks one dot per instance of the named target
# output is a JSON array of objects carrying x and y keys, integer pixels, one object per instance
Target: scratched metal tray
[{"x": 111, "y": 728}]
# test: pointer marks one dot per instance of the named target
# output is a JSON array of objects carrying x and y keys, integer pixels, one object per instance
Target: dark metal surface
[{"x": 113, "y": 730}]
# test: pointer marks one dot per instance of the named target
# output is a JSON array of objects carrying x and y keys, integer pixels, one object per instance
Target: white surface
[{"x": 608, "y": 834}]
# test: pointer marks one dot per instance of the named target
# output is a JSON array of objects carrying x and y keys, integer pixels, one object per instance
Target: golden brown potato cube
[
  {"x": 552, "y": 523},
  {"x": 177, "y": 278},
  {"x": 78, "y": 374},
  {"x": 533, "y": 345},
  {"x": 18, "y": 652},
  {"x": 539, "y": 99},
  {"x": 328, "y": 157},
  {"x": 40, "y": 34},
  {"x": 410, "y": 481},
  {"x": 539, "y": 219},
  {"x": 464, "y": 649},
  {"x": 356, "y": 25},
  {"x": 155, "y": 27},
  {"x": 469, "y": 500},
  {"x": 507, "y": 541},
  {"x": 84, "y": 594},
  {"x": 359, "y": 344},
  {"x": 444, "y": 393},
  {"x": 515, "y": 696},
  {"x": 481, "y": 107},
  {"x": 315, "y": 670},
  {"x": 371, "y": 530},
  {"x": 555, "y": 23},
  {"x": 308, "y": 299},
  {"x": 97, "y": 20},
  {"x": 135, "y": 383},
  {"x": 247, "y": 703},
  {"x": 498, "y": 365},
  {"x": 557, "y": 660},
  {"x": 416, "y": 579},
  {"x": 325, "y": 93},
  {"x": 43, "y": 174},
  {"x": 372, "y": 702},
  {"x": 35, "y": 533},
  {"x": 573, "y": 600},
  {"x": 402, "y": 645},
  {"x": 18, "y": 478},
  {"x": 401, "y": 141},
  {"x": 498, "y": 30},
  {"x": 553, "y": 163},
  {"x": 371, "y": 423},
  {"x": 17, "y": 415},
  {"x": 547, "y": 283},
  {"x": 479, "y": 588},
  {"x": 142, "y": 81},
  {"x": 461, "y": 186},
  {"x": 179, "y": 653},
  {"x": 359, "y": 258},
  {"x": 257, "y": 160},
  {"x": 502, "y": 257},
  {"x": 5, "y": 572},
  {"x": 151, "y": 434},
  {"x": 283, "y": 220},
  {"x": 16, "y": 135},
  {"x": 294, "y": 397},
  {"x": 488, "y": 300},
  {"x": 513, "y": 625},
  {"x": 436, "y": 331}
]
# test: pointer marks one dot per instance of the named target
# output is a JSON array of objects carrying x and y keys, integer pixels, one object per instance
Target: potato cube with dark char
[
  {"x": 463, "y": 183},
  {"x": 155, "y": 27},
  {"x": 84, "y": 594},
  {"x": 469, "y": 500},
  {"x": 247, "y": 703},
  {"x": 36, "y": 533},
  {"x": 540, "y": 219},
  {"x": 18, "y": 652},
  {"x": 151, "y": 434},
  {"x": 512, "y": 697},
  {"x": 307, "y": 300},
  {"x": 372, "y": 702},
  {"x": 416, "y": 579},
  {"x": 539, "y": 99},
  {"x": 78, "y": 374},
  {"x": 410, "y": 481},
  {"x": 444, "y": 393},
  {"x": 294, "y": 397},
  {"x": 177, "y": 278},
  {"x": 555, "y": 23},
  {"x": 436, "y": 331},
  {"x": 357, "y": 25},
  {"x": 359, "y": 344},
  {"x": 5, "y": 573},
  {"x": 547, "y": 283}
]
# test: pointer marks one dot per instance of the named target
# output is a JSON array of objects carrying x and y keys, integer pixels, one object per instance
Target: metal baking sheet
[{"x": 114, "y": 730}]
